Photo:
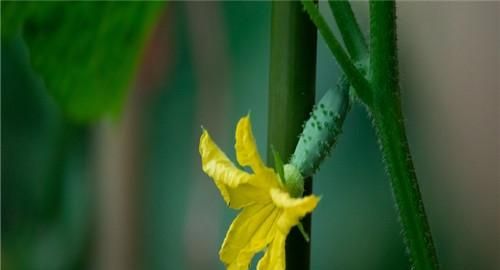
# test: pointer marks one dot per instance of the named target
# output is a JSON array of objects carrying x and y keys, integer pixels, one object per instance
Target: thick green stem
[
  {"x": 349, "y": 29},
  {"x": 389, "y": 123},
  {"x": 358, "y": 81},
  {"x": 291, "y": 98}
]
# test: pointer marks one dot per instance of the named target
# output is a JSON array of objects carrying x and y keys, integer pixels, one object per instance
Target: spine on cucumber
[{"x": 322, "y": 129}]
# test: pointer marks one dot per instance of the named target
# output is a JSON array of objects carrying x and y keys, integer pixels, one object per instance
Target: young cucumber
[{"x": 321, "y": 129}]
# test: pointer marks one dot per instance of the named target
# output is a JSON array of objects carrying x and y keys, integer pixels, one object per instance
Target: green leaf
[
  {"x": 86, "y": 52},
  {"x": 13, "y": 14},
  {"x": 278, "y": 164},
  {"x": 303, "y": 232}
]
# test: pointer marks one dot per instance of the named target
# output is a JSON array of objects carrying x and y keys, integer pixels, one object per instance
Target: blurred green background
[{"x": 102, "y": 105}]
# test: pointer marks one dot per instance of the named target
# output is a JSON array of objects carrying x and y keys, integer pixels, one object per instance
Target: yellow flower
[{"x": 268, "y": 210}]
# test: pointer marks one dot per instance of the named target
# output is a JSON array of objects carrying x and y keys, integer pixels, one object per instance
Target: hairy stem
[
  {"x": 358, "y": 81},
  {"x": 389, "y": 123},
  {"x": 349, "y": 29},
  {"x": 291, "y": 98}
]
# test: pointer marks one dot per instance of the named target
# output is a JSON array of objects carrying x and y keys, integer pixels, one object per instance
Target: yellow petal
[
  {"x": 293, "y": 208},
  {"x": 238, "y": 188},
  {"x": 249, "y": 233},
  {"x": 248, "y": 155},
  {"x": 246, "y": 149},
  {"x": 274, "y": 258},
  {"x": 248, "y": 194}
]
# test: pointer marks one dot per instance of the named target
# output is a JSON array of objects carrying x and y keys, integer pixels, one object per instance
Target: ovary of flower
[{"x": 268, "y": 211}]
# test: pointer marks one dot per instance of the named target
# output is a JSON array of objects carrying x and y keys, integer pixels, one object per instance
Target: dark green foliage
[
  {"x": 86, "y": 52},
  {"x": 45, "y": 188}
]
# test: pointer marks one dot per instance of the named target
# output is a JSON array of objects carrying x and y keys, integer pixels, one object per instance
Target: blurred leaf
[
  {"x": 45, "y": 189},
  {"x": 86, "y": 52},
  {"x": 13, "y": 14}
]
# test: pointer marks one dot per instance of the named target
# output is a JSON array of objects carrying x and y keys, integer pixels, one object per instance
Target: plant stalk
[
  {"x": 352, "y": 36},
  {"x": 356, "y": 78},
  {"x": 291, "y": 98},
  {"x": 389, "y": 124}
]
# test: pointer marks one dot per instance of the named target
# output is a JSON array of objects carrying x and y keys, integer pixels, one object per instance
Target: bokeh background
[{"x": 126, "y": 191}]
